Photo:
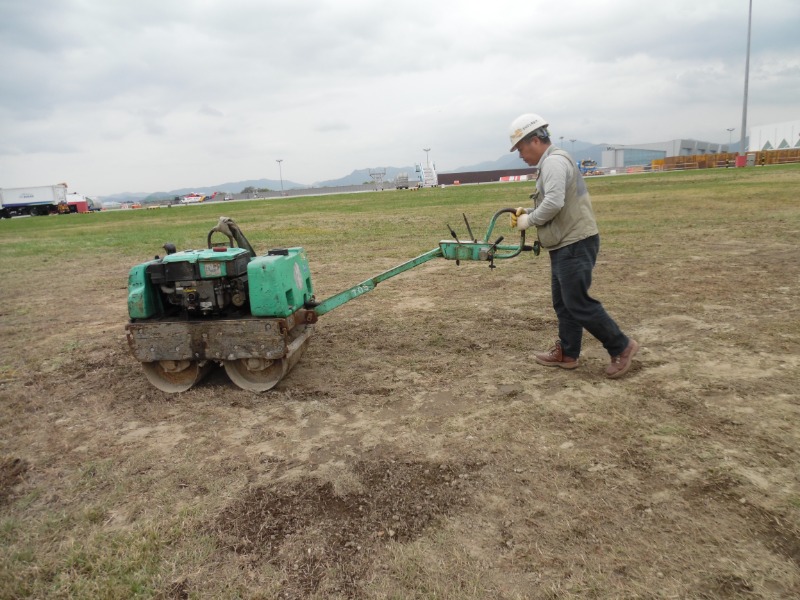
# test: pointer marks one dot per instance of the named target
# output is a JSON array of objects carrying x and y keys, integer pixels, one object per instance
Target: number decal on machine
[{"x": 212, "y": 269}]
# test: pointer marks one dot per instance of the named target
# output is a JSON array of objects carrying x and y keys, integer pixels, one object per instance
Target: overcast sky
[{"x": 153, "y": 95}]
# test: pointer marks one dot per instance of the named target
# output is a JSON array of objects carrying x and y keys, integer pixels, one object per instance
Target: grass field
[{"x": 416, "y": 451}]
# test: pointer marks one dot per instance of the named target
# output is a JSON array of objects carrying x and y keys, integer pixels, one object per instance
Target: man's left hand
[
  {"x": 521, "y": 220},
  {"x": 514, "y": 217}
]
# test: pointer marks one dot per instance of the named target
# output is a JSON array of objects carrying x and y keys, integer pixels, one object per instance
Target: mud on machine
[{"x": 253, "y": 314}]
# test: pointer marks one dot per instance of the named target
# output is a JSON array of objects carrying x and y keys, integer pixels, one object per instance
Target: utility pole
[
  {"x": 746, "y": 77},
  {"x": 280, "y": 171}
]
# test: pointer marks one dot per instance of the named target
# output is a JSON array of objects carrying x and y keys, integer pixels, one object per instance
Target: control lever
[
  {"x": 469, "y": 229},
  {"x": 492, "y": 248},
  {"x": 455, "y": 237}
]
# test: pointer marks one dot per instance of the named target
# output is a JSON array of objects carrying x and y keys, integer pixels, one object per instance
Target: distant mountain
[
  {"x": 363, "y": 175},
  {"x": 233, "y": 187},
  {"x": 579, "y": 151}
]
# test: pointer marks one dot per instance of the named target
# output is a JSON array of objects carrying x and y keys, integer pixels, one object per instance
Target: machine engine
[
  {"x": 202, "y": 282},
  {"x": 207, "y": 297}
]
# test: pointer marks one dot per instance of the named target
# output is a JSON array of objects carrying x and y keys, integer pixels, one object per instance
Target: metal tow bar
[{"x": 457, "y": 250}]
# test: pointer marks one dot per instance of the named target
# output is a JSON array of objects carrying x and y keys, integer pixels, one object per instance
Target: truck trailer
[{"x": 34, "y": 201}]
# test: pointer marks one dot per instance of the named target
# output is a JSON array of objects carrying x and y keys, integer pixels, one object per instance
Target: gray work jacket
[{"x": 562, "y": 209}]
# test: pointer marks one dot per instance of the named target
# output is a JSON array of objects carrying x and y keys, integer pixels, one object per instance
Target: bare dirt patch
[{"x": 313, "y": 534}]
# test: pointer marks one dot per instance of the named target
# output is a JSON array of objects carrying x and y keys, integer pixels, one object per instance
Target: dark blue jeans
[{"x": 570, "y": 279}]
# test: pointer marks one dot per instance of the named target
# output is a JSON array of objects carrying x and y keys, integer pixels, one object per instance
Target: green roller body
[
  {"x": 279, "y": 283},
  {"x": 143, "y": 300}
]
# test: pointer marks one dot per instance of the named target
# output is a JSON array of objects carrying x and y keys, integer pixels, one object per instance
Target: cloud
[
  {"x": 162, "y": 95},
  {"x": 332, "y": 126},
  {"x": 210, "y": 111}
]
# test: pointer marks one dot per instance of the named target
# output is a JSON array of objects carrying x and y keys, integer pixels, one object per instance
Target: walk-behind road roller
[{"x": 253, "y": 314}]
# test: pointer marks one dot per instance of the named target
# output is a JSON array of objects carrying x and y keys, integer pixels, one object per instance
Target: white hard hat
[{"x": 522, "y": 126}]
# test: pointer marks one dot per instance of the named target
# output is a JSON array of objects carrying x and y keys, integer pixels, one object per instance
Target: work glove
[{"x": 521, "y": 220}]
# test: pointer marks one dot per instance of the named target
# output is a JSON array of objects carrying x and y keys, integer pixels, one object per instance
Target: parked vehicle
[
  {"x": 82, "y": 204},
  {"x": 34, "y": 201},
  {"x": 589, "y": 167},
  {"x": 192, "y": 198}
]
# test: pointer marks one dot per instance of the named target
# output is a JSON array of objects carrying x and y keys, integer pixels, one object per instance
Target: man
[{"x": 566, "y": 227}]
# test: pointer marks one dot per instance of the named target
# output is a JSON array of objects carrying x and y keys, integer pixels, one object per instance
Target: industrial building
[
  {"x": 776, "y": 136},
  {"x": 620, "y": 157}
]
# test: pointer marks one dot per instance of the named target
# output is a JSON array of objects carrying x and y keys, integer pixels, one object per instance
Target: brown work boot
[
  {"x": 620, "y": 364},
  {"x": 555, "y": 358}
]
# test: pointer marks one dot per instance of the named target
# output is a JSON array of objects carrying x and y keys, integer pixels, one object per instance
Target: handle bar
[{"x": 505, "y": 251}]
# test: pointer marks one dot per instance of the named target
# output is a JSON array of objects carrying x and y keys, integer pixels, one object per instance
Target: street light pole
[
  {"x": 572, "y": 141},
  {"x": 427, "y": 162},
  {"x": 746, "y": 77},
  {"x": 730, "y": 131},
  {"x": 280, "y": 171}
]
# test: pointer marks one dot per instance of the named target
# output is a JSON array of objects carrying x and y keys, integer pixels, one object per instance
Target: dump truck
[{"x": 33, "y": 201}]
